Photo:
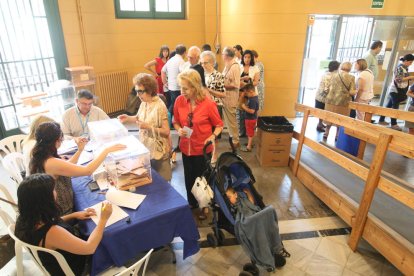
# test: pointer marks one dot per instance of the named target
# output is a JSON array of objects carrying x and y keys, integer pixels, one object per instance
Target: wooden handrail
[{"x": 383, "y": 111}]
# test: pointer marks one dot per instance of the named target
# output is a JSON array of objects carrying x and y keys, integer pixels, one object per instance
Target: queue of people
[{"x": 339, "y": 87}]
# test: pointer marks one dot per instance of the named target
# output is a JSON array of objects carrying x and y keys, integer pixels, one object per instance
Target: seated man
[{"x": 75, "y": 120}]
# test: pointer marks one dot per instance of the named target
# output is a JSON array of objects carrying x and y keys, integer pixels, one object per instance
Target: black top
[
  {"x": 76, "y": 262},
  {"x": 200, "y": 70},
  {"x": 252, "y": 103}
]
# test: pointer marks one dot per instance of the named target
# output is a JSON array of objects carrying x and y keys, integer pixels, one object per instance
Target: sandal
[{"x": 245, "y": 149}]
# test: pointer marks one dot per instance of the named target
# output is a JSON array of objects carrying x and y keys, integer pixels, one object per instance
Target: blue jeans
[
  {"x": 173, "y": 96},
  {"x": 394, "y": 102}
]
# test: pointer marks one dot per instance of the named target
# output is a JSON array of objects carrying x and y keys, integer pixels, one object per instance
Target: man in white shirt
[
  {"x": 371, "y": 57},
  {"x": 169, "y": 75},
  {"x": 75, "y": 120}
]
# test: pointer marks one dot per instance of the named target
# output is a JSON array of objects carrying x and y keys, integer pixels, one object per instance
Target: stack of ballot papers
[{"x": 118, "y": 199}]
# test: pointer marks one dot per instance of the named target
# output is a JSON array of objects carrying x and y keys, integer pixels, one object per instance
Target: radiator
[{"x": 112, "y": 90}]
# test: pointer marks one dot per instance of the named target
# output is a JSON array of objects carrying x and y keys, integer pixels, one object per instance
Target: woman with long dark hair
[
  {"x": 45, "y": 159},
  {"x": 157, "y": 64},
  {"x": 39, "y": 224}
]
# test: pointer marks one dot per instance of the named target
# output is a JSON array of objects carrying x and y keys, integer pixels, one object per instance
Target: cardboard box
[
  {"x": 274, "y": 156},
  {"x": 273, "y": 149},
  {"x": 268, "y": 139}
]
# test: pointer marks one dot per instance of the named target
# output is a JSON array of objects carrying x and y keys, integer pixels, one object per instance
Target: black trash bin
[{"x": 274, "y": 137}]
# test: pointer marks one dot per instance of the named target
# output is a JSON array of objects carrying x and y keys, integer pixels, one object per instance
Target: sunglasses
[
  {"x": 190, "y": 119},
  {"x": 139, "y": 91}
]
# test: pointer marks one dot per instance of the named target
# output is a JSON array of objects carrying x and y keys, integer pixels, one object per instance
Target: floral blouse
[{"x": 215, "y": 81}]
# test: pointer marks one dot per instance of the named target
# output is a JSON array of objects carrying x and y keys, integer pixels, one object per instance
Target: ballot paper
[
  {"x": 103, "y": 183},
  {"x": 188, "y": 130},
  {"x": 85, "y": 157},
  {"x": 124, "y": 198},
  {"x": 67, "y": 146},
  {"x": 117, "y": 214}
]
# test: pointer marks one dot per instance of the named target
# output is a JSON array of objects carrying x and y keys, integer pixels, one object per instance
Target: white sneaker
[{"x": 396, "y": 127}]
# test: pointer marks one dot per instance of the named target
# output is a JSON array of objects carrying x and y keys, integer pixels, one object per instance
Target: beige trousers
[
  {"x": 230, "y": 121},
  {"x": 360, "y": 114}
]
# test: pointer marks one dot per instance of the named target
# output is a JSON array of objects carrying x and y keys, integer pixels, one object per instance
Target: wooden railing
[
  {"x": 394, "y": 247},
  {"x": 370, "y": 110}
]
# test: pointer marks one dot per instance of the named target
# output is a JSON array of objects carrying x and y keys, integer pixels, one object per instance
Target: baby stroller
[{"x": 232, "y": 171}]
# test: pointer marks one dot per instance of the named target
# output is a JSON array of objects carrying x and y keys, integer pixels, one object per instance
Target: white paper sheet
[
  {"x": 188, "y": 130},
  {"x": 117, "y": 214},
  {"x": 102, "y": 183},
  {"x": 85, "y": 157},
  {"x": 124, "y": 198},
  {"x": 67, "y": 146}
]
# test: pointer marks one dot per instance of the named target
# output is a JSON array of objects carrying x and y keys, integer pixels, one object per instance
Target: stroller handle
[{"x": 205, "y": 149}]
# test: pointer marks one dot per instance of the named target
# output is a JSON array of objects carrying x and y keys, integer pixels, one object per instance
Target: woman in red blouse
[
  {"x": 194, "y": 118},
  {"x": 158, "y": 63}
]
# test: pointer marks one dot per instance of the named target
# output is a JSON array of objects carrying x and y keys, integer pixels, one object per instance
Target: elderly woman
[
  {"x": 215, "y": 85},
  {"x": 323, "y": 90},
  {"x": 398, "y": 88},
  {"x": 364, "y": 85},
  {"x": 195, "y": 116},
  {"x": 152, "y": 120},
  {"x": 341, "y": 90}
]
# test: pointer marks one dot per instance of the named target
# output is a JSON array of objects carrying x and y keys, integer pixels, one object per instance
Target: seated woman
[
  {"x": 30, "y": 141},
  {"x": 39, "y": 224},
  {"x": 152, "y": 120},
  {"x": 45, "y": 159}
]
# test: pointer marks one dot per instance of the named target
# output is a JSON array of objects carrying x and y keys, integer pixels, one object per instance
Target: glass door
[{"x": 319, "y": 51}]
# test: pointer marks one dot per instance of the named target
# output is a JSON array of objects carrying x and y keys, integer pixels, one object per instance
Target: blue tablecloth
[{"x": 163, "y": 215}]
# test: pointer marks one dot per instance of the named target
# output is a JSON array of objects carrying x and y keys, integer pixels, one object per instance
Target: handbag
[
  {"x": 202, "y": 192},
  {"x": 157, "y": 145}
]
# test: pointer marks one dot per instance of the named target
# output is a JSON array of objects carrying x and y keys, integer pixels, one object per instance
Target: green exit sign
[{"x": 377, "y": 4}]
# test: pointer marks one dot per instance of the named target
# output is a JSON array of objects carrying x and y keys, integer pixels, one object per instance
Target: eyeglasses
[
  {"x": 190, "y": 119},
  {"x": 139, "y": 91}
]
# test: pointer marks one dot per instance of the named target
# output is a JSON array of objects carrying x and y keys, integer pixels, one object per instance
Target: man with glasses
[{"x": 75, "y": 120}]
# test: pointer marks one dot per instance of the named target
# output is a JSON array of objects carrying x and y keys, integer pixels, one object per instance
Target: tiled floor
[{"x": 304, "y": 224}]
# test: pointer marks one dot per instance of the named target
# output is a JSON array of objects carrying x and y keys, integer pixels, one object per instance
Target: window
[
  {"x": 30, "y": 59},
  {"x": 156, "y": 9}
]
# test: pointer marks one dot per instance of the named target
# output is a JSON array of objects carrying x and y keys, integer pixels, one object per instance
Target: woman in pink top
[
  {"x": 195, "y": 116},
  {"x": 364, "y": 84},
  {"x": 158, "y": 63}
]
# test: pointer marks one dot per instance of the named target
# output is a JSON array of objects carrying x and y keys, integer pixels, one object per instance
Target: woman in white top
[
  {"x": 30, "y": 141},
  {"x": 364, "y": 84},
  {"x": 152, "y": 120}
]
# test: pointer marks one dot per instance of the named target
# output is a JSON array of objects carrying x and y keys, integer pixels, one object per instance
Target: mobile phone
[{"x": 93, "y": 186}]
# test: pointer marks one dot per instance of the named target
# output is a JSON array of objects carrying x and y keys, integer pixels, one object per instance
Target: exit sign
[{"x": 377, "y": 4}]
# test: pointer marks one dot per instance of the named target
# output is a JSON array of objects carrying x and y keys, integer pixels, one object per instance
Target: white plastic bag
[{"x": 202, "y": 192}]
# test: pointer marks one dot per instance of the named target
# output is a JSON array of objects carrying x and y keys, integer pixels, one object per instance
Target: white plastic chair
[
  {"x": 34, "y": 250},
  {"x": 14, "y": 163},
  {"x": 7, "y": 219},
  {"x": 6, "y": 195},
  {"x": 134, "y": 269},
  {"x": 11, "y": 144}
]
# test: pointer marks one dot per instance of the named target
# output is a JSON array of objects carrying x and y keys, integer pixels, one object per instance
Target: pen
[
  {"x": 103, "y": 207},
  {"x": 101, "y": 193}
]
